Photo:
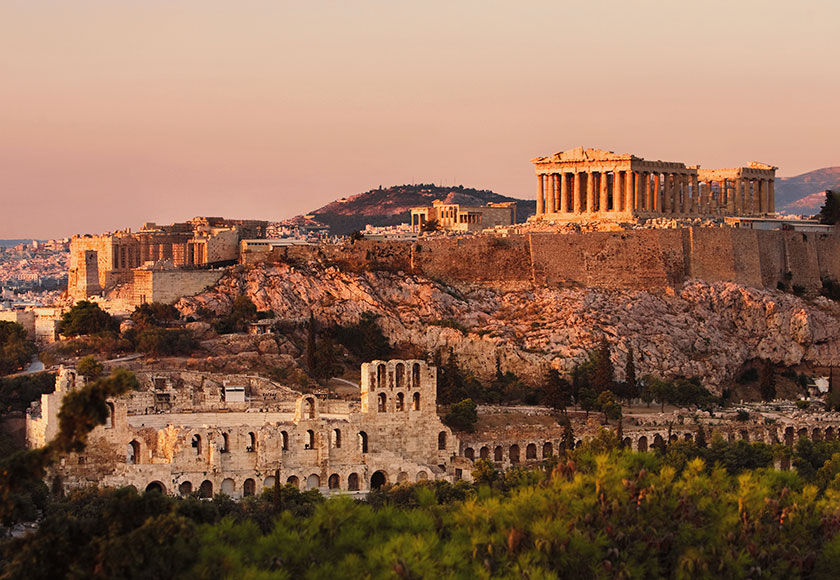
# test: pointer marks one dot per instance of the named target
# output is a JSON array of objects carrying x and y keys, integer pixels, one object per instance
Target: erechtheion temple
[{"x": 584, "y": 184}]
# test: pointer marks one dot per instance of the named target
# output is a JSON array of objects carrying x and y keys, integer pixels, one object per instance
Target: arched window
[
  {"x": 363, "y": 442},
  {"x": 442, "y": 440},
  {"x": 415, "y": 375},
  {"x": 196, "y": 444},
  {"x": 109, "y": 420},
  {"x": 313, "y": 481},
  {"x": 382, "y": 401},
  {"x": 531, "y": 451},
  {"x": 310, "y": 439},
  {"x": 293, "y": 480},
  {"x": 353, "y": 482},
  {"x": 284, "y": 440},
  {"x": 156, "y": 486},
  {"x": 225, "y": 443},
  {"x": 252, "y": 443},
  {"x": 228, "y": 487},
  {"x": 132, "y": 456},
  {"x": 378, "y": 479},
  {"x": 185, "y": 489},
  {"x": 415, "y": 401},
  {"x": 206, "y": 489},
  {"x": 337, "y": 438},
  {"x": 310, "y": 407},
  {"x": 380, "y": 376},
  {"x": 400, "y": 404},
  {"x": 484, "y": 453},
  {"x": 514, "y": 453},
  {"x": 399, "y": 371},
  {"x": 334, "y": 481},
  {"x": 497, "y": 453},
  {"x": 249, "y": 487},
  {"x": 548, "y": 450},
  {"x": 269, "y": 481},
  {"x": 469, "y": 453},
  {"x": 642, "y": 445}
]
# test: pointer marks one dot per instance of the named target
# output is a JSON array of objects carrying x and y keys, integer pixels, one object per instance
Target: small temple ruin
[{"x": 589, "y": 184}]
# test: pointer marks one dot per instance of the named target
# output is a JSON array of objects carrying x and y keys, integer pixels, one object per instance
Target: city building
[{"x": 462, "y": 218}]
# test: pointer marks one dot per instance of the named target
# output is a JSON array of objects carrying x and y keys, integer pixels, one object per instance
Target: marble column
[
  {"x": 618, "y": 190},
  {"x": 657, "y": 204},
  {"x": 695, "y": 194},
  {"x": 603, "y": 203},
  {"x": 557, "y": 178},
  {"x": 739, "y": 196},
  {"x": 564, "y": 193},
  {"x": 666, "y": 193},
  {"x": 629, "y": 190},
  {"x": 771, "y": 196},
  {"x": 549, "y": 194},
  {"x": 540, "y": 189},
  {"x": 590, "y": 192},
  {"x": 762, "y": 196},
  {"x": 576, "y": 192}
]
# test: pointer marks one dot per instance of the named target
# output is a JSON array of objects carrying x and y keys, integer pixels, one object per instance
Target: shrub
[
  {"x": 365, "y": 339},
  {"x": 86, "y": 317},
  {"x": 798, "y": 290},
  {"x": 15, "y": 348},
  {"x": 89, "y": 367},
  {"x": 165, "y": 342}
]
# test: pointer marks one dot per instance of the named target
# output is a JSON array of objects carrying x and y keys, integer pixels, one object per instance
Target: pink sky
[{"x": 116, "y": 113}]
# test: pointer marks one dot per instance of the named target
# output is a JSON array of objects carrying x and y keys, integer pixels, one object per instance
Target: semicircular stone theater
[{"x": 586, "y": 184}]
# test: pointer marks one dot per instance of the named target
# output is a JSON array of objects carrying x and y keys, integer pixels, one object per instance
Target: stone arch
[
  {"x": 363, "y": 442},
  {"x": 484, "y": 452},
  {"x": 310, "y": 439},
  {"x": 313, "y": 481},
  {"x": 205, "y": 490},
  {"x": 378, "y": 479},
  {"x": 132, "y": 456},
  {"x": 228, "y": 487},
  {"x": 829, "y": 434},
  {"x": 310, "y": 407},
  {"x": 513, "y": 453},
  {"x": 415, "y": 375},
  {"x": 400, "y": 402},
  {"x": 381, "y": 402},
  {"x": 110, "y": 420},
  {"x": 642, "y": 445},
  {"x": 399, "y": 375},
  {"x": 284, "y": 440},
  {"x": 156, "y": 486},
  {"x": 422, "y": 476},
  {"x": 802, "y": 434},
  {"x": 673, "y": 437},
  {"x": 252, "y": 442},
  {"x": 380, "y": 375},
  {"x": 353, "y": 482},
  {"x": 469, "y": 453},
  {"x": 415, "y": 402},
  {"x": 789, "y": 435},
  {"x": 531, "y": 451},
  {"x": 196, "y": 443},
  {"x": 293, "y": 479},
  {"x": 688, "y": 437},
  {"x": 225, "y": 443},
  {"x": 626, "y": 443},
  {"x": 658, "y": 441},
  {"x": 249, "y": 487},
  {"x": 269, "y": 481},
  {"x": 185, "y": 488},
  {"x": 402, "y": 477},
  {"x": 334, "y": 482},
  {"x": 816, "y": 434},
  {"x": 548, "y": 450},
  {"x": 498, "y": 453},
  {"x": 442, "y": 441},
  {"x": 336, "y": 438}
]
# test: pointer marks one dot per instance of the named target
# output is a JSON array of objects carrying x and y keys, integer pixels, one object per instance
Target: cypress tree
[{"x": 604, "y": 372}]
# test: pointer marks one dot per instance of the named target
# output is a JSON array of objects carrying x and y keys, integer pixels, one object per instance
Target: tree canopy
[
  {"x": 830, "y": 211},
  {"x": 86, "y": 317},
  {"x": 16, "y": 349}
]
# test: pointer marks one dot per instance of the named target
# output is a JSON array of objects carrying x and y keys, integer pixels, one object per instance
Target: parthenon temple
[{"x": 583, "y": 184}]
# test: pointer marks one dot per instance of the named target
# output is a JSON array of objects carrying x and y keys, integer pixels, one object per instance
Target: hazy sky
[{"x": 113, "y": 113}]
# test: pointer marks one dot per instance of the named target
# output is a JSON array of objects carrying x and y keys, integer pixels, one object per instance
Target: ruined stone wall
[
  {"x": 223, "y": 246},
  {"x": 168, "y": 286}
]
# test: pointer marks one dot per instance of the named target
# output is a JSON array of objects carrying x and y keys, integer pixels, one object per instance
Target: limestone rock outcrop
[{"x": 699, "y": 329}]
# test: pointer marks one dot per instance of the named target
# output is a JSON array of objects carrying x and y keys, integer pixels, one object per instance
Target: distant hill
[
  {"x": 392, "y": 205},
  {"x": 804, "y": 194},
  {"x": 13, "y": 243}
]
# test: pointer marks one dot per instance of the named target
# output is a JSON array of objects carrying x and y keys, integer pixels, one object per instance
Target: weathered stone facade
[
  {"x": 585, "y": 184},
  {"x": 461, "y": 218},
  {"x": 99, "y": 263},
  {"x": 180, "y": 434}
]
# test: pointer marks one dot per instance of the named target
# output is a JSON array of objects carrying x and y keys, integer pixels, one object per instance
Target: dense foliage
[
  {"x": 16, "y": 393},
  {"x": 86, "y": 317},
  {"x": 598, "y": 512},
  {"x": 16, "y": 349},
  {"x": 462, "y": 416},
  {"x": 365, "y": 339},
  {"x": 830, "y": 211}
]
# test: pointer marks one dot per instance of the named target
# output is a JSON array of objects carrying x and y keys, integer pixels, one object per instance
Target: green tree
[
  {"x": 557, "y": 391},
  {"x": 607, "y": 405},
  {"x": 604, "y": 376},
  {"x": 86, "y": 317},
  {"x": 830, "y": 211},
  {"x": 155, "y": 314},
  {"x": 462, "y": 416},
  {"x": 630, "y": 388},
  {"x": 364, "y": 339},
  {"x": 311, "y": 339},
  {"x": 16, "y": 349},
  {"x": 89, "y": 367},
  {"x": 588, "y": 400}
]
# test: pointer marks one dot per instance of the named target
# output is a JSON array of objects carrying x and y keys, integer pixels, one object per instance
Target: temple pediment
[
  {"x": 759, "y": 165},
  {"x": 582, "y": 154}
]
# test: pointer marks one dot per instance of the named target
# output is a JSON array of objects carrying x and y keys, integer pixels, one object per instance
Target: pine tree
[
  {"x": 311, "y": 333},
  {"x": 604, "y": 372},
  {"x": 830, "y": 211},
  {"x": 631, "y": 388}
]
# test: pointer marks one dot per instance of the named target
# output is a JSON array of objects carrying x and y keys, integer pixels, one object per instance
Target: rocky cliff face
[{"x": 698, "y": 329}]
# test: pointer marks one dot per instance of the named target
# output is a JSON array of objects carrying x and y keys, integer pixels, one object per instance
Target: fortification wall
[
  {"x": 640, "y": 259},
  {"x": 168, "y": 286}
]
